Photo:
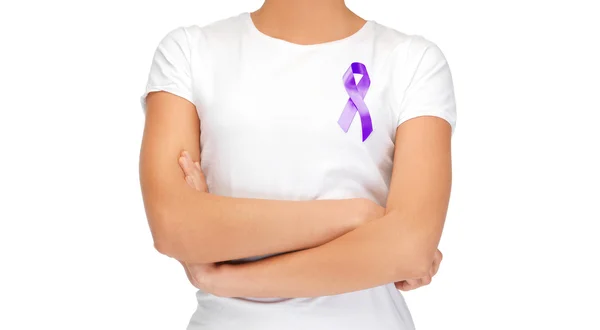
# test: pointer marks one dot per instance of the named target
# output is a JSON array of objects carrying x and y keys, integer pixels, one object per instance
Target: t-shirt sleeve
[
  {"x": 428, "y": 89},
  {"x": 170, "y": 69}
]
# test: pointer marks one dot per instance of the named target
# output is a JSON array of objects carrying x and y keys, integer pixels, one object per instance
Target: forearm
[
  {"x": 210, "y": 228},
  {"x": 197, "y": 227},
  {"x": 382, "y": 251}
]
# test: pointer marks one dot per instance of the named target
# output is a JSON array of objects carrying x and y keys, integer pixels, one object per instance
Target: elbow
[
  {"x": 171, "y": 243},
  {"x": 163, "y": 246},
  {"x": 171, "y": 238},
  {"x": 416, "y": 247},
  {"x": 166, "y": 228},
  {"x": 420, "y": 267},
  {"x": 164, "y": 236},
  {"x": 165, "y": 241},
  {"x": 171, "y": 247},
  {"x": 414, "y": 263},
  {"x": 177, "y": 228}
]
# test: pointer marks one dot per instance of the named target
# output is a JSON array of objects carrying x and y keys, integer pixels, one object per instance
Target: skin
[
  {"x": 398, "y": 244},
  {"x": 195, "y": 178},
  {"x": 306, "y": 22},
  {"x": 197, "y": 227}
]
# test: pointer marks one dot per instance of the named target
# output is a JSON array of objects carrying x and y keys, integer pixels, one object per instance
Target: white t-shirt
[{"x": 274, "y": 117}]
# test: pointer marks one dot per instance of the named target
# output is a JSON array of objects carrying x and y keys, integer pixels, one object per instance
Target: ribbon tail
[
  {"x": 347, "y": 116},
  {"x": 365, "y": 116},
  {"x": 367, "y": 126}
]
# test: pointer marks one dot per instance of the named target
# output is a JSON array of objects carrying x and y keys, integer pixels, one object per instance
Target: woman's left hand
[{"x": 412, "y": 284}]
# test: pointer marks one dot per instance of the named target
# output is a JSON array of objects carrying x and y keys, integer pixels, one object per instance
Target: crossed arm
[
  {"x": 196, "y": 227},
  {"x": 339, "y": 252}
]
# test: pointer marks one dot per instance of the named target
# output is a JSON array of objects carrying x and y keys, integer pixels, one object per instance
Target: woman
[{"x": 325, "y": 140}]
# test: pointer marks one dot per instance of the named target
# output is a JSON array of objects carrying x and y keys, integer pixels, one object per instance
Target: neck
[{"x": 306, "y": 21}]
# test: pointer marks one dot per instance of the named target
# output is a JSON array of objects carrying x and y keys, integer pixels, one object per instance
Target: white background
[{"x": 521, "y": 242}]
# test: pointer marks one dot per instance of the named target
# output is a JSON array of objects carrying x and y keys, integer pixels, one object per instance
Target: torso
[
  {"x": 269, "y": 112},
  {"x": 269, "y": 115}
]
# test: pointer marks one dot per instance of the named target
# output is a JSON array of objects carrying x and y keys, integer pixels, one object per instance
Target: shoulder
[
  {"x": 407, "y": 48},
  {"x": 420, "y": 77},
  {"x": 410, "y": 57},
  {"x": 225, "y": 28},
  {"x": 190, "y": 35}
]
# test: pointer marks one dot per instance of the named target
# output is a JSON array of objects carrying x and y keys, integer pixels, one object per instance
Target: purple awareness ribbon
[{"x": 356, "y": 101}]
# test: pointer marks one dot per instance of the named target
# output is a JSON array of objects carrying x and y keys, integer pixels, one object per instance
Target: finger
[
  {"x": 435, "y": 268},
  {"x": 197, "y": 182},
  {"x": 434, "y": 265},
  {"x": 191, "y": 182},
  {"x": 418, "y": 283},
  {"x": 414, "y": 281},
  {"x": 201, "y": 178},
  {"x": 184, "y": 165},
  {"x": 425, "y": 280},
  {"x": 407, "y": 287},
  {"x": 199, "y": 171},
  {"x": 198, "y": 176},
  {"x": 193, "y": 167},
  {"x": 190, "y": 178},
  {"x": 187, "y": 161},
  {"x": 193, "y": 175},
  {"x": 411, "y": 284},
  {"x": 188, "y": 167},
  {"x": 436, "y": 262},
  {"x": 402, "y": 285}
]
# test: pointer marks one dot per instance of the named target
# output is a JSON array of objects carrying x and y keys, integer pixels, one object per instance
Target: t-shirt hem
[
  {"x": 444, "y": 115},
  {"x": 169, "y": 89}
]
